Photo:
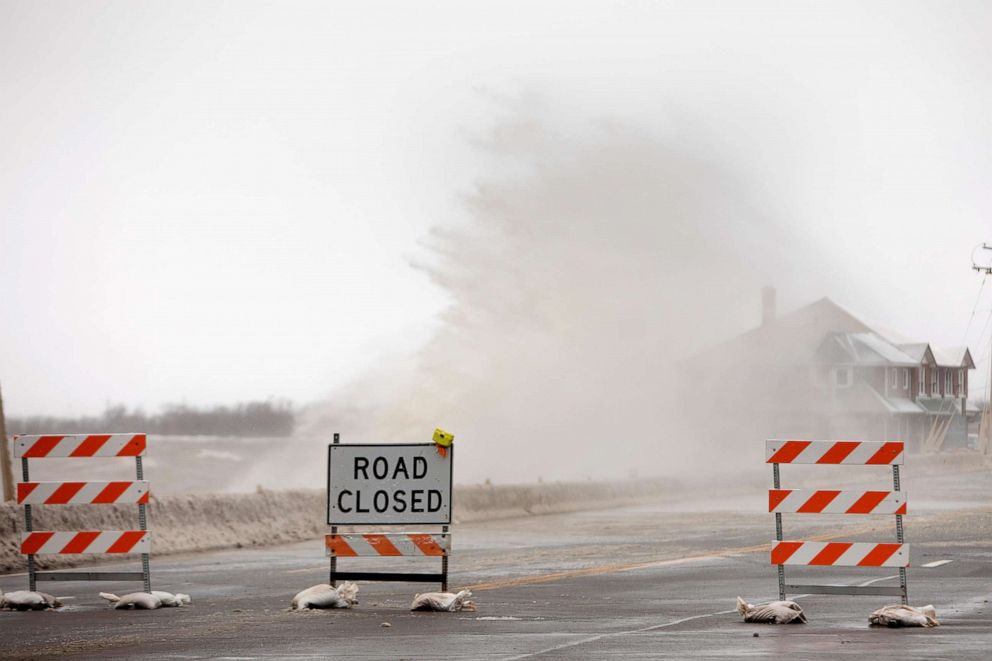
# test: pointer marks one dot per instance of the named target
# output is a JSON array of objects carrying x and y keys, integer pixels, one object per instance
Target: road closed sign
[{"x": 388, "y": 484}]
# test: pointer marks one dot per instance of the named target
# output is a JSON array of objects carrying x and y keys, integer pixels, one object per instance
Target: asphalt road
[{"x": 654, "y": 581}]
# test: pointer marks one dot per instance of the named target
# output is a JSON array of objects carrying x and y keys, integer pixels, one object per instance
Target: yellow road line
[{"x": 633, "y": 566}]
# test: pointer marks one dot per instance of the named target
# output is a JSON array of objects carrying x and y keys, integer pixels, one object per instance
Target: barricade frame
[
  {"x": 33, "y": 574},
  {"x": 405, "y": 577},
  {"x": 795, "y": 588}
]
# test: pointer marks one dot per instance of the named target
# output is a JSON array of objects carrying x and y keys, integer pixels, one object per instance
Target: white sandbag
[
  {"x": 901, "y": 615},
  {"x": 170, "y": 600},
  {"x": 325, "y": 596},
  {"x": 133, "y": 601},
  {"x": 776, "y": 612},
  {"x": 443, "y": 601},
  {"x": 26, "y": 600}
]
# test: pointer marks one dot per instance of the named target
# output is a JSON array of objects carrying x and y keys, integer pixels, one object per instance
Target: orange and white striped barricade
[
  {"x": 388, "y": 485},
  {"x": 829, "y": 501},
  {"x": 133, "y": 492}
]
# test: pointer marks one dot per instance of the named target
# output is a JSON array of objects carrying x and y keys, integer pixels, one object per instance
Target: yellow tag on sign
[{"x": 443, "y": 438}]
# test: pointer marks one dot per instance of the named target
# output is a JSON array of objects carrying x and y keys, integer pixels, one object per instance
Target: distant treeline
[{"x": 246, "y": 419}]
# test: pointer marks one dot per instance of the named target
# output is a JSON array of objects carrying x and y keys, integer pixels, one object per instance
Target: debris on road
[
  {"x": 170, "y": 600},
  {"x": 901, "y": 615},
  {"x": 776, "y": 612},
  {"x": 133, "y": 601},
  {"x": 325, "y": 596},
  {"x": 443, "y": 601},
  {"x": 25, "y": 600}
]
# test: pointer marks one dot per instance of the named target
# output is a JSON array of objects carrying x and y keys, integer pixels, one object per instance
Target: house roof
[
  {"x": 920, "y": 352},
  {"x": 791, "y": 338},
  {"x": 802, "y": 337},
  {"x": 863, "y": 349},
  {"x": 953, "y": 357}
]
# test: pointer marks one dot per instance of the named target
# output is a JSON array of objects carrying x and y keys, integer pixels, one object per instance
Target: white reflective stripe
[
  {"x": 841, "y": 503},
  {"x": 862, "y": 453},
  {"x": 852, "y": 556},
  {"x": 359, "y": 545},
  {"x": 804, "y": 553},
  {"x": 56, "y": 542},
  {"x": 69, "y": 443},
  {"x": 813, "y": 452},
  {"x": 41, "y": 493}
]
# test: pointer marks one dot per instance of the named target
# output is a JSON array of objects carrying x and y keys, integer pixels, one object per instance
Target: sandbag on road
[
  {"x": 443, "y": 601},
  {"x": 901, "y": 615},
  {"x": 776, "y": 612}
]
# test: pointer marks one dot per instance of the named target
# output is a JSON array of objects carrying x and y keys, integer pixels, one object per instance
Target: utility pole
[
  {"x": 6, "y": 469},
  {"x": 985, "y": 422}
]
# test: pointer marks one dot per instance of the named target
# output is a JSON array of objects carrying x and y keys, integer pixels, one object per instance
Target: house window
[
  {"x": 948, "y": 388},
  {"x": 842, "y": 377},
  {"x": 934, "y": 391},
  {"x": 923, "y": 380},
  {"x": 894, "y": 379},
  {"x": 961, "y": 392},
  {"x": 905, "y": 378}
]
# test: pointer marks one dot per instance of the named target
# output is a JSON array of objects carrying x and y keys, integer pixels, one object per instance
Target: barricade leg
[
  {"x": 146, "y": 574},
  {"x": 776, "y": 480},
  {"x": 334, "y": 531},
  {"x": 900, "y": 537},
  {"x": 444, "y": 564},
  {"x": 29, "y": 527}
]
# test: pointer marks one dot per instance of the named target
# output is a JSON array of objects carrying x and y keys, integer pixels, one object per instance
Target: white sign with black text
[{"x": 388, "y": 484}]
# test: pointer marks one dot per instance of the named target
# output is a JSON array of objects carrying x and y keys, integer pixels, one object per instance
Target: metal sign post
[
  {"x": 372, "y": 485},
  {"x": 800, "y": 501},
  {"x": 37, "y": 542}
]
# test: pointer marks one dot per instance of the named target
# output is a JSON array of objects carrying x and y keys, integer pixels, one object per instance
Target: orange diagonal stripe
[
  {"x": 64, "y": 493},
  {"x": 817, "y": 502},
  {"x": 42, "y": 446},
  {"x": 776, "y": 496},
  {"x": 24, "y": 490},
  {"x": 90, "y": 445},
  {"x": 338, "y": 546},
  {"x": 426, "y": 544},
  {"x": 868, "y": 501},
  {"x": 80, "y": 542},
  {"x": 126, "y": 541},
  {"x": 879, "y": 555},
  {"x": 34, "y": 541},
  {"x": 838, "y": 452},
  {"x": 830, "y": 553},
  {"x": 134, "y": 447},
  {"x": 788, "y": 452},
  {"x": 887, "y": 453},
  {"x": 782, "y": 551},
  {"x": 111, "y": 493}
]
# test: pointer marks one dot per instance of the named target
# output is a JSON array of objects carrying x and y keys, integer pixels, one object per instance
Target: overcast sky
[{"x": 213, "y": 202}]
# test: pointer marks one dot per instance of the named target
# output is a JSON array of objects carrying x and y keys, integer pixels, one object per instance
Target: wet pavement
[{"x": 653, "y": 581}]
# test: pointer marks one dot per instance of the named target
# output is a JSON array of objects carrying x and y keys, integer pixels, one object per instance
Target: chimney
[{"x": 767, "y": 305}]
